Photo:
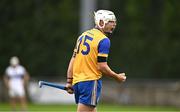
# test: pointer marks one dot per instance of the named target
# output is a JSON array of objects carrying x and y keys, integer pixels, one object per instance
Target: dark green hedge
[{"x": 42, "y": 33}]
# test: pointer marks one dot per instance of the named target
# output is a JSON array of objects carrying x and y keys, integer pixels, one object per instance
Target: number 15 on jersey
[{"x": 84, "y": 40}]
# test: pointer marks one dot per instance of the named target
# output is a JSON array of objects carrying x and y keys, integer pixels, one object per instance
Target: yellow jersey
[{"x": 89, "y": 46}]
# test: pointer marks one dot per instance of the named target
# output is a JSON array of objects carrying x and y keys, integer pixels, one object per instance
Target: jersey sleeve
[
  {"x": 103, "y": 47},
  {"x": 7, "y": 71}
]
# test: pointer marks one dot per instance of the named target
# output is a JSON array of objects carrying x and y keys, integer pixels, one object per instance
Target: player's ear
[{"x": 101, "y": 23}]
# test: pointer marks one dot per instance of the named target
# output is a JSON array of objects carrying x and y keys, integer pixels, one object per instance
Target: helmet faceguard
[{"x": 105, "y": 16}]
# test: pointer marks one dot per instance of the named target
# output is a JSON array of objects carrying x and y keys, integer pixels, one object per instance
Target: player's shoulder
[
  {"x": 83, "y": 34},
  {"x": 95, "y": 33},
  {"x": 88, "y": 32},
  {"x": 104, "y": 42},
  {"x": 106, "y": 39},
  {"x": 8, "y": 68},
  {"x": 21, "y": 66},
  {"x": 100, "y": 35}
]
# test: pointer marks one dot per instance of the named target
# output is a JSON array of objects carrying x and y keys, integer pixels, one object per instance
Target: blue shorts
[{"x": 88, "y": 92}]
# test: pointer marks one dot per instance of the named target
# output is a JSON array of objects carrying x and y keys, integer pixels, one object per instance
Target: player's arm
[
  {"x": 70, "y": 71},
  {"x": 26, "y": 78},
  {"x": 70, "y": 76},
  {"x": 105, "y": 69},
  {"x": 102, "y": 66},
  {"x": 6, "y": 80},
  {"x": 70, "y": 67}
]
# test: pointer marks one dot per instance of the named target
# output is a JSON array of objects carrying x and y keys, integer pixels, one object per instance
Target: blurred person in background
[
  {"x": 89, "y": 62},
  {"x": 16, "y": 78}
]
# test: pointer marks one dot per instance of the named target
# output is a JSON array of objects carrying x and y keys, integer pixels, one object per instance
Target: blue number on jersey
[{"x": 85, "y": 43}]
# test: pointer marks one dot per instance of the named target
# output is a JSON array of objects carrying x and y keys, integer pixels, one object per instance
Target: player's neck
[{"x": 100, "y": 29}]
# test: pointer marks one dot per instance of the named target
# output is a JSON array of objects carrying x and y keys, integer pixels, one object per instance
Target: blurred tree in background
[
  {"x": 149, "y": 38},
  {"x": 42, "y": 33}
]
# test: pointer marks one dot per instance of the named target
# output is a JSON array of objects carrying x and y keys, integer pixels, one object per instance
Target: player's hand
[
  {"x": 69, "y": 88},
  {"x": 7, "y": 85},
  {"x": 121, "y": 77}
]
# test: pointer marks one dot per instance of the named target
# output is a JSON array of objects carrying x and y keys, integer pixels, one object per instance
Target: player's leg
[
  {"x": 85, "y": 108},
  {"x": 87, "y": 94},
  {"x": 12, "y": 98},
  {"x": 23, "y": 103},
  {"x": 22, "y": 98},
  {"x": 13, "y": 103}
]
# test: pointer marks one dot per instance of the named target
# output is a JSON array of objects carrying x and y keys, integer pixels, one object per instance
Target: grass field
[{"x": 101, "y": 108}]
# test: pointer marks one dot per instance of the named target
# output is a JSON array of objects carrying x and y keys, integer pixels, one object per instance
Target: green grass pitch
[{"x": 101, "y": 108}]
